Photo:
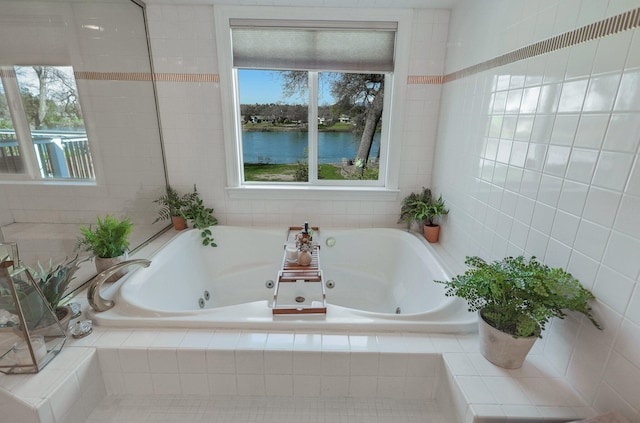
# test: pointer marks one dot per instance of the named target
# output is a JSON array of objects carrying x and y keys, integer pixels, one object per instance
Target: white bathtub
[{"x": 383, "y": 282}]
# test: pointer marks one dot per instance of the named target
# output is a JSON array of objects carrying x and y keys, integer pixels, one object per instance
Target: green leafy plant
[
  {"x": 434, "y": 209},
  {"x": 519, "y": 296},
  {"x": 172, "y": 203},
  {"x": 414, "y": 206},
  {"x": 201, "y": 216},
  {"x": 54, "y": 281},
  {"x": 422, "y": 208},
  {"x": 109, "y": 238}
]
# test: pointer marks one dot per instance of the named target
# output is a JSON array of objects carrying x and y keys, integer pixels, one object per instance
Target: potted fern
[
  {"x": 422, "y": 208},
  {"x": 201, "y": 217},
  {"x": 515, "y": 299},
  {"x": 171, "y": 205},
  {"x": 108, "y": 240}
]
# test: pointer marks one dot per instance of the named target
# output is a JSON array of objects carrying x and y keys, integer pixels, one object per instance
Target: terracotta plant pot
[
  {"x": 178, "y": 223},
  {"x": 501, "y": 348},
  {"x": 432, "y": 233}
]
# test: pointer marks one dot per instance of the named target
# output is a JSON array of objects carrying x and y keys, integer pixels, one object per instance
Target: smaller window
[
  {"x": 48, "y": 137},
  {"x": 10, "y": 159}
]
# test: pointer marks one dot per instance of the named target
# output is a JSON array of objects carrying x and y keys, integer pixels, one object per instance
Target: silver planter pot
[
  {"x": 501, "y": 348},
  {"x": 103, "y": 264}
]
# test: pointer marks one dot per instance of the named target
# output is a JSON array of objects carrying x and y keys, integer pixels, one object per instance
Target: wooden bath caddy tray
[{"x": 300, "y": 289}]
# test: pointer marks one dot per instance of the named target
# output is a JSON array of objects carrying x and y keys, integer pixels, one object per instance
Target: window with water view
[
  {"x": 42, "y": 132},
  {"x": 288, "y": 138},
  {"x": 311, "y": 100}
]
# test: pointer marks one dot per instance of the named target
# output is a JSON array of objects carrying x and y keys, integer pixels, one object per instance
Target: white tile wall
[
  {"x": 192, "y": 121},
  {"x": 573, "y": 199},
  {"x": 120, "y": 115}
]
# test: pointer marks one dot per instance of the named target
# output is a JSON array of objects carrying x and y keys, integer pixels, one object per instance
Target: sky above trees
[{"x": 265, "y": 87}]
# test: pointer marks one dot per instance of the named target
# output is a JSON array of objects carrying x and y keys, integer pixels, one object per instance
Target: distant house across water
[{"x": 263, "y": 119}]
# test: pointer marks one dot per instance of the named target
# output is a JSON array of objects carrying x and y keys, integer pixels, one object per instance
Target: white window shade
[{"x": 311, "y": 45}]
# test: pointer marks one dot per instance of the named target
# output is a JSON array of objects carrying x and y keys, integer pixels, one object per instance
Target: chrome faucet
[{"x": 93, "y": 293}]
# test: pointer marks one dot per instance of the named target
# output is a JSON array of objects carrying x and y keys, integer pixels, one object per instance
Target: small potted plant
[
  {"x": 433, "y": 210},
  {"x": 423, "y": 209},
  {"x": 108, "y": 241},
  {"x": 201, "y": 217},
  {"x": 515, "y": 299},
  {"x": 172, "y": 203},
  {"x": 54, "y": 281}
]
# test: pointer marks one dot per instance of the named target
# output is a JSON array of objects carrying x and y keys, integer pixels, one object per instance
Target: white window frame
[{"x": 386, "y": 188}]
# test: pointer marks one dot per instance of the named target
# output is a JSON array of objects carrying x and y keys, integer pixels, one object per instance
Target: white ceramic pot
[
  {"x": 304, "y": 258},
  {"x": 501, "y": 348}
]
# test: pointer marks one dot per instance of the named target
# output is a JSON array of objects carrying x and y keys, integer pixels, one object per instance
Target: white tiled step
[
  {"x": 445, "y": 372},
  {"x": 243, "y": 409}
]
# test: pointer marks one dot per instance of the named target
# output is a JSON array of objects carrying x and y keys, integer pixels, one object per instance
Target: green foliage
[
  {"x": 434, "y": 210},
  {"x": 422, "y": 208},
  {"x": 201, "y": 216},
  {"x": 302, "y": 168},
  {"x": 172, "y": 203},
  {"x": 286, "y": 172},
  {"x": 329, "y": 171},
  {"x": 109, "y": 238},
  {"x": 302, "y": 171},
  {"x": 54, "y": 281},
  {"x": 518, "y": 296}
]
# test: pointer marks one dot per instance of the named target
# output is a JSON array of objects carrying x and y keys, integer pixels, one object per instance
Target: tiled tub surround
[{"x": 129, "y": 375}]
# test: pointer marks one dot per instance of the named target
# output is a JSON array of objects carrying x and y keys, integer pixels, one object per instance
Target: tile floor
[{"x": 242, "y": 409}]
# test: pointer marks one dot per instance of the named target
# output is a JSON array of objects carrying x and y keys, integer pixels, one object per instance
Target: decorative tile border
[
  {"x": 147, "y": 76},
  {"x": 603, "y": 28},
  {"x": 425, "y": 79}
]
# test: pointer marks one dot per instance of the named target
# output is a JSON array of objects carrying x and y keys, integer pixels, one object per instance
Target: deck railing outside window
[{"x": 60, "y": 154}]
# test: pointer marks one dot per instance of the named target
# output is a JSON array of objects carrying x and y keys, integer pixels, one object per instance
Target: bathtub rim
[
  {"x": 454, "y": 310},
  {"x": 126, "y": 293}
]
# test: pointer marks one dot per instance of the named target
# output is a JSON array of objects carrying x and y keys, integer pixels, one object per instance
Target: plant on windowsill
[
  {"x": 108, "y": 241},
  {"x": 201, "y": 217},
  {"x": 515, "y": 299},
  {"x": 172, "y": 203},
  {"x": 422, "y": 208}
]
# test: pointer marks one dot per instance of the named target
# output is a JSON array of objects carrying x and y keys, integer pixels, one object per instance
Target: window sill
[
  {"x": 49, "y": 182},
  {"x": 284, "y": 192}
]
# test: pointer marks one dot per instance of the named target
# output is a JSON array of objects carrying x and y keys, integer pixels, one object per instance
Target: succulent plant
[{"x": 54, "y": 281}]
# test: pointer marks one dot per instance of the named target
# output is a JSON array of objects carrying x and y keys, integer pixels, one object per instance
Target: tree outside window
[{"x": 47, "y": 135}]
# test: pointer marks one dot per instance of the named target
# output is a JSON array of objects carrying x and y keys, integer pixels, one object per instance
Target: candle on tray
[{"x": 291, "y": 253}]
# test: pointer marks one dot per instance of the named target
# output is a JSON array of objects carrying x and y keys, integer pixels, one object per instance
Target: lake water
[{"x": 289, "y": 147}]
